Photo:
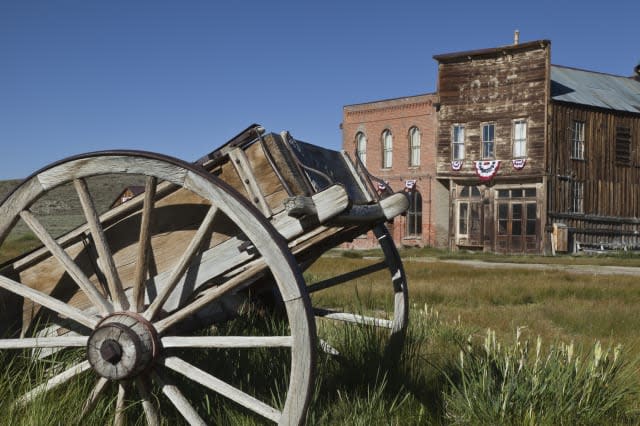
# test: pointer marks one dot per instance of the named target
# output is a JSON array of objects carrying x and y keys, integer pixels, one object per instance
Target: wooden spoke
[
  {"x": 144, "y": 244},
  {"x": 226, "y": 341},
  {"x": 340, "y": 279},
  {"x": 183, "y": 264},
  {"x": 353, "y": 318},
  {"x": 55, "y": 381},
  {"x": 120, "y": 418},
  {"x": 48, "y": 302},
  {"x": 69, "y": 265},
  {"x": 224, "y": 389},
  {"x": 327, "y": 348},
  {"x": 150, "y": 411},
  {"x": 100, "y": 240},
  {"x": 177, "y": 399},
  {"x": 94, "y": 396},
  {"x": 44, "y": 342},
  {"x": 208, "y": 296}
]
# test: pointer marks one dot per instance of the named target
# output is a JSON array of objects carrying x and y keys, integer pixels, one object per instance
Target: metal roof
[{"x": 595, "y": 89}]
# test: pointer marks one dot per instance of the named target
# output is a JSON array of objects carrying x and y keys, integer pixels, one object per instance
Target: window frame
[
  {"x": 387, "y": 149},
  {"x": 488, "y": 142},
  {"x": 361, "y": 147},
  {"x": 522, "y": 152},
  {"x": 577, "y": 196},
  {"x": 414, "y": 215},
  {"x": 457, "y": 154},
  {"x": 577, "y": 140},
  {"x": 414, "y": 149}
]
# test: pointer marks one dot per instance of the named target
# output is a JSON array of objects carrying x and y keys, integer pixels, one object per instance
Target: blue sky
[{"x": 181, "y": 77}]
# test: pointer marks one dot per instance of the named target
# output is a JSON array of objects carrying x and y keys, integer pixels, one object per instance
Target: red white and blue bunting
[
  {"x": 486, "y": 170},
  {"x": 456, "y": 165},
  {"x": 382, "y": 185},
  {"x": 519, "y": 163},
  {"x": 410, "y": 183}
]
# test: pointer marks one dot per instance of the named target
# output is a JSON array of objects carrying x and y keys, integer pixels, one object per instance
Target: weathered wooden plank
[
  {"x": 109, "y": 269},
  {"x": 205, "y": 379},
  {"x": 249, "y": 180},
  {"x": 48, "y": 302},
  {"x": 44, "y": 342},
  {"x": 144, "y": 244},
  {"x": 115, "y": 164},
  {"x": 69, "y": 265},
  {"x": 54, "y": 382},
  {"x": 226, "y": 341},
  {"x": 185, "y": 261},
  {"x": 178, "y": 399}
]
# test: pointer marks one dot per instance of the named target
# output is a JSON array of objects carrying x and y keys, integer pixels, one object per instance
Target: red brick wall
[{"x": 399, "y": 116}]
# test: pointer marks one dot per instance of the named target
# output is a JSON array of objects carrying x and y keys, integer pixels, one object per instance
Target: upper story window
[
  {"x": 361, "y": 147},
  {"x": 623, "y": 146},
  {"x": 387, "y": 149},
  {"x": 457, "y": 142},
  {"x": 520, "y": 139},
  {"x": 414, "y": 146},
  {"x": 577, "y": 140},
  {"x": 488, "y": 140}
]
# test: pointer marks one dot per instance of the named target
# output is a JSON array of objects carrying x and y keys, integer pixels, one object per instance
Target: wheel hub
[{"x": 122, "y": 346}]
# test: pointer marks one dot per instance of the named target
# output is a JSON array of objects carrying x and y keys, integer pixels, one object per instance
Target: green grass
[{"x": 565, "y": 365}]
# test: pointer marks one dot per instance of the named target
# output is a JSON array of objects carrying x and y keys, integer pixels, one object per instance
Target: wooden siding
[
  {"x": 611, "y": 206},
  {"x": 498, "y": 88}
]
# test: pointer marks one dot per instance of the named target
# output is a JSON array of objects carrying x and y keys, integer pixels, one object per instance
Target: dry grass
[{"x": 554, "y": 305}]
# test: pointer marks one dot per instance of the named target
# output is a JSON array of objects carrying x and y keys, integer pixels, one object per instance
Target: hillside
[{"x": 60, "y": 209}]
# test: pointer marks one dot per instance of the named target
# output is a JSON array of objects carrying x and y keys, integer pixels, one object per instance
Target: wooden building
[
  {"x": 395, "y": 140},
  {"x": 537, "y": 157}
]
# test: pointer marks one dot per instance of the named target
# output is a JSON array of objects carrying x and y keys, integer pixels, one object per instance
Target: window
[
  {"x": 623, "y": 146},
  {"x": 414, "y": 214},
  {"x": 577, "y": 197},
  {"x": 520, "y": 139},
  {"x": 469, "y": 213},
  {"x": 577, "y": 140},
  {"x": 457, "y": 142},
  {"x": 361, "y": 147},
  {"x": 488, "y": 134},
  {"x": 387, "y": 149},
  {"x": 414, "y": 146}
]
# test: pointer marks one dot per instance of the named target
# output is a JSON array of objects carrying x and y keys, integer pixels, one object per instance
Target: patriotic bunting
[
  {"x": 486, "y": 170},
  {"x": 410, "y": 183},
  {"x": 519, "y": 163},
  {"x": 456, "y": 165}
]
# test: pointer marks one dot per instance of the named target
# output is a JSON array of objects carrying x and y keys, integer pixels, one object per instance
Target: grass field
[{"x": 485, "y": 346}]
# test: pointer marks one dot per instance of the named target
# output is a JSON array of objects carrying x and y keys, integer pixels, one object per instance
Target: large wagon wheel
[{"x": 133, "y": 343}]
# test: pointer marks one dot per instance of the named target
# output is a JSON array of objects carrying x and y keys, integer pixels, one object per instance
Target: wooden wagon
[{"x": 131, "y": 289}]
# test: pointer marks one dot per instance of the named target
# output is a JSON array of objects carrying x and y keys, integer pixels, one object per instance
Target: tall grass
[
  {"x": 520, "y": 385},
  {"x": 430, "y": 381}
]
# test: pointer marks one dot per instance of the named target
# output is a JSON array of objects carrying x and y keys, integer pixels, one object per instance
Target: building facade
[
  {"x": 536, "y": 157},
  {"x": 395, "y": 140}
]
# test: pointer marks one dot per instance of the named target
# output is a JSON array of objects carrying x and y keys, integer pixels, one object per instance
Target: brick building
[{"x": 395, "y": 139}]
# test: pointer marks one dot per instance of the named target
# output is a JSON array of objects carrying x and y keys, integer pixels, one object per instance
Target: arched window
[
  {"x": 387, "y": 149},
  {"x": 361, "y": 147},
  {"x": 414, "y": 147},
  {"x": 414, "y": 214}
]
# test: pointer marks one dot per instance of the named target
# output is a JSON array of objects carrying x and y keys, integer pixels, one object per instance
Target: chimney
[{"x": 516, "y": 37}]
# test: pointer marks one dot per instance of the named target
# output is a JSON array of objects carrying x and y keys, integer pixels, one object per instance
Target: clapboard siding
[
  {"x": 610, "y": 189},
  {"x": 498, "y": 87}
]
